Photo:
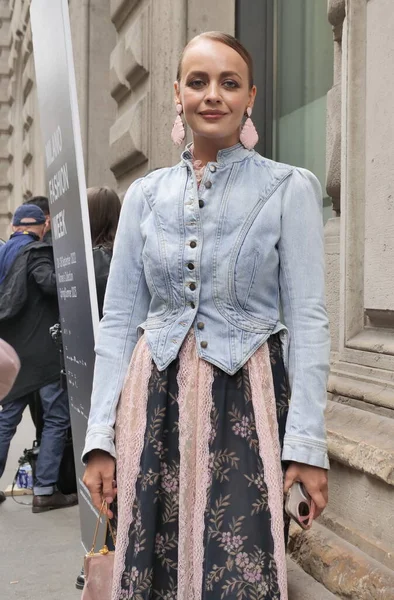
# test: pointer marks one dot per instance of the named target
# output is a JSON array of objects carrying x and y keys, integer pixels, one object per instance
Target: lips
[{"x": 212, "y": 115}]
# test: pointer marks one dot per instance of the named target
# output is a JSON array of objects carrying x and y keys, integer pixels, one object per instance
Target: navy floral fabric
[{"x": 239, "y": 553}]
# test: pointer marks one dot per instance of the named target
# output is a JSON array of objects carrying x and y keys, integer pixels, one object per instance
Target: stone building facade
[{"x": 126, "y": 53}]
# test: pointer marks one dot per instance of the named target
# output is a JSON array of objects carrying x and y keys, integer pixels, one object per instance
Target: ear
[
  {"x": 252, "y": 97},
  {"x": 177, "y": 90}
]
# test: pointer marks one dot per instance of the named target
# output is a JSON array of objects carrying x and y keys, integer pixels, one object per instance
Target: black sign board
[{"x": 65, "y": 174}]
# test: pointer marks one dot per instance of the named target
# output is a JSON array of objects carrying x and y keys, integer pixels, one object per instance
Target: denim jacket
[{"x": 226, "y": 258}]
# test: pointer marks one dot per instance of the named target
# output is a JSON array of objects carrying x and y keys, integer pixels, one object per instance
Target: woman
[
  {"x": 206, "y": 253},
  {"x": 104, "y": 210}
]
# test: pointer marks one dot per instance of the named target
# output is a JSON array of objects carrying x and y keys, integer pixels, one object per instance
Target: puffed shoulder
[{"x": 303, "y": 189}]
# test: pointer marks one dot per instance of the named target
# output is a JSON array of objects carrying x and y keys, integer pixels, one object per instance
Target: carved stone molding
[
  {"x": 130, "y": 57},
  {"x": 333, "y": 146},
  {"x": 336, "y": 16},
  {"x": 27, "y": 153},
  {"x": 137, "y": 44},
  {"x": 11, "y": 91},
  {"x": 28, "y": 112},
  {"x": 27, "y": 46},
  {"x": 332, "y": 254},
  {"x": 120, "y": 10},
  {"x": 27, "y": 184},
  {"x": 12, "y": 58},
  {"x": 129, "y": 138},
  {"x": 5, "y": 126},
  {"x": 119, "y": 86},
  {"x": 28, "y": 77},
  {"x": 5, "y": 12}
]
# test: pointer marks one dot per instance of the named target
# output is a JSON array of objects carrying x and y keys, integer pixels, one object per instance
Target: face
[{"x": 214, "y": 91}]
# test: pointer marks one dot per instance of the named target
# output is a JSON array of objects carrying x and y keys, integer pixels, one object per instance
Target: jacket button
[
  {"x": 201, "y": 203},
  {"x": 208, "y": 185},
  {"x": 212, "y": 168},
  {"x": 192, "y": 286},
  {"x": 193, "y": 244},
  {"x": 192, "y": 305},
  {"x": 204, "y": 344},
  {"x": 200, "y": 325},
  {"x": 190, "y": 266}
]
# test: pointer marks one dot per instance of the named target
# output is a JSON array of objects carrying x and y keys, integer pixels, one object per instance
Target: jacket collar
[{"x": 226, "y": 156}]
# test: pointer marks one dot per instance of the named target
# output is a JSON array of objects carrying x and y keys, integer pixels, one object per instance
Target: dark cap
[{"x": 29, "y": 214}]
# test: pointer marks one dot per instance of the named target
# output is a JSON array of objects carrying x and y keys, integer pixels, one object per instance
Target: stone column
[
  {"x": 5, "y": 125},
  {"x": 26, "y": 172},
  {"x": 336, "y": 15},
  {"x": 93, "y": 37}
]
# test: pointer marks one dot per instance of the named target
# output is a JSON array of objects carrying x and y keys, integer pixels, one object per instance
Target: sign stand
[{"x": 65, "y": 174}]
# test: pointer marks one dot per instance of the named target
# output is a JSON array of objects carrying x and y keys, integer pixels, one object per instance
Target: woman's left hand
[{"x": 315, "y": 481}]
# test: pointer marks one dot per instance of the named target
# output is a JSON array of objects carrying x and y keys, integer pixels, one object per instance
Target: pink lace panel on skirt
[
  {"x": 195, "y": 379},
  {"x": 264, "y": 406},
  {"x": 130, "y": 432}
]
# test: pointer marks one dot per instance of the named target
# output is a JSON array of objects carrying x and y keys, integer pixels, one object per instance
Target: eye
[
  {"x": 231, "y": 84},
  {"x": 196, "y": 83}
]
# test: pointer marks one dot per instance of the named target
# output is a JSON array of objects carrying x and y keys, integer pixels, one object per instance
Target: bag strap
[{"x": 104, "y": 549}]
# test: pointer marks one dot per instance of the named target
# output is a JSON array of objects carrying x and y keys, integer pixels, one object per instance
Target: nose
[{"x": 213, "y": 93}]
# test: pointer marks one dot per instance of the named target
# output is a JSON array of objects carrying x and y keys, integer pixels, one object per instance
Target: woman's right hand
[{"x": 99, "y": 478}]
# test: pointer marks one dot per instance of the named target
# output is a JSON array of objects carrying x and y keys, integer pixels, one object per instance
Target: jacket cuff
[
  {"x": 99, "y": 438},
  {"x": 306, "y": 451}
]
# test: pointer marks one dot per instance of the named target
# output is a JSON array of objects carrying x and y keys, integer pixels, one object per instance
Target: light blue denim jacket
[{"x": 227, "y": 255}]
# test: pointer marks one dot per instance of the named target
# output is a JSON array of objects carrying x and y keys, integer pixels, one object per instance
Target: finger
[
  {"x": 312, "y": 514},
  {"x": 319, "y": 501},
  {"x": 96, "y": 499},
  {"x": 108, "y": 490},
  {"x": 290, "y": 478},
  {"x": 94, "y": 484}
]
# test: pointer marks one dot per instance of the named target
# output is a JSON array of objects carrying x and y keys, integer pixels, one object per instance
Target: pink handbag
[
  {"x": 99, "y": 566},
  {"x": 9, "y": 368}
]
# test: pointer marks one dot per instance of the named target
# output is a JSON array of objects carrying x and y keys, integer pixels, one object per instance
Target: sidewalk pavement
[{"x": 41, "y": 555}]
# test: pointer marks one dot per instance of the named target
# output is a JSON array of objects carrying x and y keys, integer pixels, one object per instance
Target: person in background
[
  {"x": 104, "y": 211},
  {"x": 9, "y": 368},
  {"x": 28, "y": 308},
  {"x": 43, "y": 203}
]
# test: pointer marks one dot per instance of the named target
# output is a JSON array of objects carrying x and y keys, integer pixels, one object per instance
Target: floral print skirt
[{"x": 202, "y": 514}]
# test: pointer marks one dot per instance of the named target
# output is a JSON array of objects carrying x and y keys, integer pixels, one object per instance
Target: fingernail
[{"x": 109, "y": 500}]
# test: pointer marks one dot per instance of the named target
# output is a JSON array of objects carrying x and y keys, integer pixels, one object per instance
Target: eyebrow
[{"x": 224, "y": 74}]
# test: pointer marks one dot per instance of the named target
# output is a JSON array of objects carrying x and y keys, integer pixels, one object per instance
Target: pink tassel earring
[
  {"x": 249, "y": 136},
  {"x": 178, "y": 130}
]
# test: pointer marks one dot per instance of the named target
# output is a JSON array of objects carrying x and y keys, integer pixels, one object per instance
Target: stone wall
[
  {"x": 21, "y": 172},
  {"x": 150, "y": 38},
  {"x": 21, "y": 152},
  {"x": 93, "y": 37},
  {"x": 350, "y": 551},
  {"x": 5, "y": 125}
]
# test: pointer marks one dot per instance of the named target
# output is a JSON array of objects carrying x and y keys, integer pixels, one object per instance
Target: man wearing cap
[{"x": 28, "y": 308}]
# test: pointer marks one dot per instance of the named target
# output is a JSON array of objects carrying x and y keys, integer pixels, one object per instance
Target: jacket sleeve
[
  {"x": 302, "y": 289},
  {"x": 126, "y": 306},
  {"x": 42, "y": 268}
]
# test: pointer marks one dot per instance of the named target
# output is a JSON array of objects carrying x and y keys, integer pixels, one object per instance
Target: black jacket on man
[{"x": 28, "y": 308}]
